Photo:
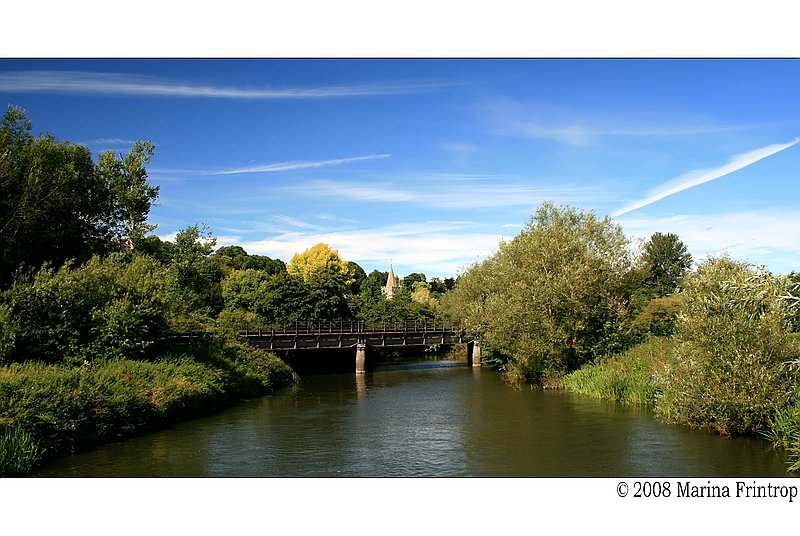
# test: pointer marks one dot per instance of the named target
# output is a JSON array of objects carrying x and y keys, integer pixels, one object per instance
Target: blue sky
[{"x": 430, "y": 163}]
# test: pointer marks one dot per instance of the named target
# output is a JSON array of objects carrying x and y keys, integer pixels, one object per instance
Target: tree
[
  {"x": 236, "y": 258},
  {"x": 57, "y": 205},
  {"x": 242, "y": 289},
  {"x": 410, "y": 279},
  {"x": 373, "y": 284},
  {"x": 665, "y": 260},
  {"x": 52, "y": 203},
  {"x": 314, "y": 259},
  {"x": 197, "y": 275},
  {"x": 729, "y": 372},
  {"x": 552, "y": 298},
  {"x": 358, "y": 276},
  {"x": 284, "y": 298},
  {"x": 421, "y": 294},
  {"x": 130, "y": 197}
]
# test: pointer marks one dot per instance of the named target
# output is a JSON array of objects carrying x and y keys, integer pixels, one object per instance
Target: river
[{"x": 425, "y": 418}]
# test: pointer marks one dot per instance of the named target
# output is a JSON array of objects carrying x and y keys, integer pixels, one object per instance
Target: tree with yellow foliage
[{"x": 318, "y": 258}]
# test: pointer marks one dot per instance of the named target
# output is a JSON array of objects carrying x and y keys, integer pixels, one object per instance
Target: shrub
[
  {"x": 659, "y": 315},
  {"x": 733, "y": 339},
  {"x": 113, "y": 307}
]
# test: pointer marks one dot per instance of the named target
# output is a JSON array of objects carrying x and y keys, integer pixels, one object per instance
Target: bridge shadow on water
[{"x": 342, "y": 360}]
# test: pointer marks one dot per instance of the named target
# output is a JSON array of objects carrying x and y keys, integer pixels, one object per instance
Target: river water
[{"x": 425, "y": 418}]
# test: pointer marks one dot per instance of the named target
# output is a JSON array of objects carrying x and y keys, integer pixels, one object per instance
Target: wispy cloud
[
  {"x": 294, "y": 165},
  {"x": 75, "y": 82},
  {"x": 701, "y": 176},
  {"x": 107, "y": 142},
  {"x": 544, "y": 120},
  {"x": 451, "y": 193},
  {"x": 295, "y": 222},
  {"x": 290, "y": 165}
]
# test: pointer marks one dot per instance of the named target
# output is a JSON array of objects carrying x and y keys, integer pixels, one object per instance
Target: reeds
[
  {"x": 628, "y": 377},
  {"x": 19, "y": 453}
]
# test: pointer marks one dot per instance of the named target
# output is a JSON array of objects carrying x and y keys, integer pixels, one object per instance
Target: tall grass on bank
[
  {"x": 628, "y": 377},
  {"x": 784, "y": 432},
  {"x": 66, "y": 409},
  {"x": 19, "y": 453}
]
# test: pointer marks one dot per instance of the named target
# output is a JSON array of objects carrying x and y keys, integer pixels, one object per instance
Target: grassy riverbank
[
  {"x": 628, "y": 377},
  {"x": 646, "y": 375},
  {"x": 49, "y": 410}
]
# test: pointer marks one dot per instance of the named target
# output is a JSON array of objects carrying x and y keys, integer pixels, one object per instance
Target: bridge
[{"x": 356, "y": 334}]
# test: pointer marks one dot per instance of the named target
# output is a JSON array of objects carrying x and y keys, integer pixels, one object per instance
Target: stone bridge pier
[
  {"x": 474, "y": 353},
  {"x": 361, "y": 358}
]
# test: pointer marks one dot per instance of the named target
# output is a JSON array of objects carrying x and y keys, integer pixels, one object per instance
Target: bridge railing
[{"x": 345, "y": 326}]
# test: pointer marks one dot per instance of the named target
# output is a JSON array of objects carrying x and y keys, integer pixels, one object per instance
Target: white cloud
[
  {"x": 354, "y": 191},
  {"x": 124, "y": 84},
  {"x": 545, "y": 120},
  {"x": 701, "y": 176},
  {"x": 294, "y": 222},
  {"x": 439, "y": 249},
  {"x": 290, "y": 165},
  {"x": 108, "y": 141},
  {"x": 452, "y": 193},
  {"x": 294, "y": 165},
  {"x": 761, "y": 237}
]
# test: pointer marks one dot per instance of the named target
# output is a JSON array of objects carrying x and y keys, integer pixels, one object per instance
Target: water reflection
[
  {"x": 430, "y": 418},
  {"x": 361, "y": 386}
]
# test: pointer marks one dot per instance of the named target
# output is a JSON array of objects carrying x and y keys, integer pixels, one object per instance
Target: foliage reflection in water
[{"x": 427, "y": 418}]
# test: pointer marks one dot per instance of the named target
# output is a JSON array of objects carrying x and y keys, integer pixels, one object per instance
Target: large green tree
[
  {"x": 129, "y": 193},
  {"x": 195, "y": 272},
  {"x": 236, "y": 258},
  {"x": 56, "y": 204},
  {"x": 552, "y": 298},
  {"x": 52, "y": 203}
]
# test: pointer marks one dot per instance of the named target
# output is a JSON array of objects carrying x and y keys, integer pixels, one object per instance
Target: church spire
[{"x": 391, "y": 283}]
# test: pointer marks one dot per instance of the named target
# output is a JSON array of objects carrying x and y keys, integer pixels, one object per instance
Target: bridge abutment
[
  {"x": 474, "y": 353},
  {"x": 361, "y": 358}
]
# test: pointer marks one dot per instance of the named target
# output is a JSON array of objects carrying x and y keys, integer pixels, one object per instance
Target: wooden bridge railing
[{"x": 346, "y": 327}]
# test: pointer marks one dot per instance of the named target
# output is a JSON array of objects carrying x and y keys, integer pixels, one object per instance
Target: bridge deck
[{"x": 309, "y": 335}]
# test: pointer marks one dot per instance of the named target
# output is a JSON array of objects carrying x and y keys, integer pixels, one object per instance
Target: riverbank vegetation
[
  {"x": 731, "y": 365},
  {"x": 569, "y": 303},
  {"x": 90, "y": 301}
]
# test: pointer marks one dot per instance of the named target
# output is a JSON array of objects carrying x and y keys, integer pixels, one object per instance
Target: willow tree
[
  {"x": 732, "y": 369},
  {"x": 550, "y": 299}
]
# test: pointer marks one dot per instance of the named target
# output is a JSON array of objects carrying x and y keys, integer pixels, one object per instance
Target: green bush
[
  {"x": 659, "y": 315},
  {"x": 733, "y": 339},
  {"x": 115, "y": 307},
  {"x": 784, "y": 432}
]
